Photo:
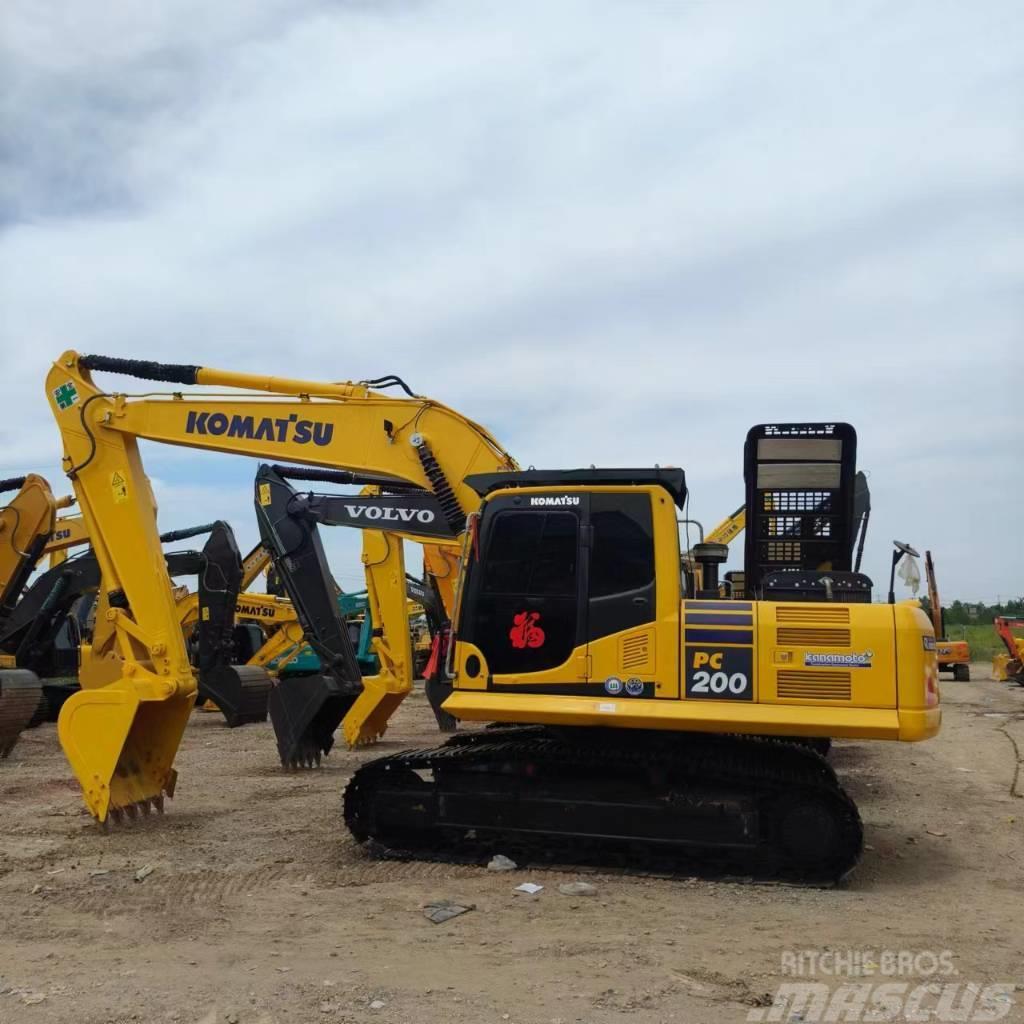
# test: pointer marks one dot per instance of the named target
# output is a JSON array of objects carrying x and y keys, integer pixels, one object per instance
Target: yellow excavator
[{"x": 636, "y": 711}]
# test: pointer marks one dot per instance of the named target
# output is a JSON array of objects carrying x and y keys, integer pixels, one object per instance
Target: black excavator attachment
[
  {"x": 643, "y": 802},
  {"x": 241, "y": 692},
  {"x": 306, "y": 710},
  {"x": 20, "y": 697}
]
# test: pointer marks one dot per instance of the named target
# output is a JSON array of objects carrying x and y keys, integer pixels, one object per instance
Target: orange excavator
[{"x": 1010, "y": 666}]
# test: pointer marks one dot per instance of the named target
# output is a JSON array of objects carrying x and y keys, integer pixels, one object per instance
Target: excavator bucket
[
  {"x": 305, "y": 712},
  {"x": 239, "y": 691},
  {"x": 121, "y": 747},
  {"x": 20, "y": 697},
  {"x": 367, "y": 719}
]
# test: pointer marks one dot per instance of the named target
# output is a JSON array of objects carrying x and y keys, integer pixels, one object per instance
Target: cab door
[
  {"x": 526, "y": 595},
  {"x": 622, "y": 598}
]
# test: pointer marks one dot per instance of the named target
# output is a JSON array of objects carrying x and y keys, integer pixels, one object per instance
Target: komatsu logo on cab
[
  {"x": 260, "y": 428},
  {"x": 562, "y": 499}
]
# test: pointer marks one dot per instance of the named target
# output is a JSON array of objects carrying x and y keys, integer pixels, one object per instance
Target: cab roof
[{"x": 672, "y": 480}]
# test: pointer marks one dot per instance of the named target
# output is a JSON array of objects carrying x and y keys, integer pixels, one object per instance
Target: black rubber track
[{"x": 767, "y": 809}]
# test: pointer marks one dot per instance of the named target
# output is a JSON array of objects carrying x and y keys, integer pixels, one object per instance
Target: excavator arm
[
  {"x": 347, "y": 426},
  {"x": 26, "y": 523}
]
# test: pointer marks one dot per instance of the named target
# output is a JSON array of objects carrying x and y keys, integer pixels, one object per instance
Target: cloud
[{"x": 612, "y": 233}]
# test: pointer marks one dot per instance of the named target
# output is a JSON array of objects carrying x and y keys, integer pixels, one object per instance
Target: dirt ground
[{"x": 259, "y": 909}]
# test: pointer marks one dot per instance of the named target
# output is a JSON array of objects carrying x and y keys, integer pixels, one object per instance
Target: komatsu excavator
[{"x": 647, "y": 705}]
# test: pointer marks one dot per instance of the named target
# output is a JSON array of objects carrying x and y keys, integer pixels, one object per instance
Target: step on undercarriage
[{"x": 718, "y": 804}]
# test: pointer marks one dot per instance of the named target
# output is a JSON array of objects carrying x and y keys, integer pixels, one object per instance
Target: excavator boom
[{"x": 351, "y": 427}]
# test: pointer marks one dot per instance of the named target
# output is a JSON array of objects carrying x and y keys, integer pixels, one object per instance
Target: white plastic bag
[{"x": 909, "y": 573}]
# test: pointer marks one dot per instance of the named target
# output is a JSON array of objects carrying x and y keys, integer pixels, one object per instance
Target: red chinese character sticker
[{"x": 525, "y": 632}]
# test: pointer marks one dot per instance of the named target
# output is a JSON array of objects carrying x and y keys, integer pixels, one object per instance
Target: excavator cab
[{"x": 568, "y": 582}]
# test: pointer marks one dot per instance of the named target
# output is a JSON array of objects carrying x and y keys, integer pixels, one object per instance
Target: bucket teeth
[
  {"x": 305, "y": 757},
  {"x": 131, "y": 811}
]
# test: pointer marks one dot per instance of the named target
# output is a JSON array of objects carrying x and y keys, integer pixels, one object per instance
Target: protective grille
[
  {"x": 804, "y": 684},
  {"x": 782, "y": 551},
  {"x": 812, "y": 636},
  {"x": 797, "y": 501},
  {"x": 636, "y": 650}
]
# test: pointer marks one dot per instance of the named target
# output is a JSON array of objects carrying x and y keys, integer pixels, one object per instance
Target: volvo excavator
[{"x": 635, "y": 712}]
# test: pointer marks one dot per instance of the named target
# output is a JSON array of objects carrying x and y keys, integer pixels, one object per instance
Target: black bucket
[{"x": 305, "y": 712}]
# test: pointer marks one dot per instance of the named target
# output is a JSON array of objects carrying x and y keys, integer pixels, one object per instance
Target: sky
[{"x": 615, "y": 233}]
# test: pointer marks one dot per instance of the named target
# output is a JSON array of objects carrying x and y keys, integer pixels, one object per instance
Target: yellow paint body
[
  {"x": 26, "y": 521},
  {"x": 891, "y": 693}
]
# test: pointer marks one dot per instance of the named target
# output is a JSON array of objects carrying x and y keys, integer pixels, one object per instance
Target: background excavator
[
  {"x": 953, "y": 655},
  {"x": 55, "y": 634},
  {"x": 307, "y": 711},
  {"x": 1009, "y": 666},
  {"x": 646, "y": 705},
  {"x": 26, "y": 524}
]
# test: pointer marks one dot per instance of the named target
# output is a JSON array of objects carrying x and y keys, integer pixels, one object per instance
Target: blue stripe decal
[
  {"x": 718, "y": 606},
  {"x": 719, "y": 636},
  {"x": 718, "y": 619}
]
